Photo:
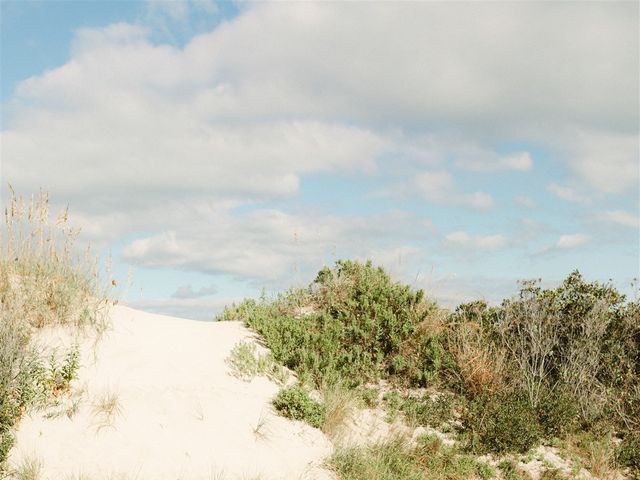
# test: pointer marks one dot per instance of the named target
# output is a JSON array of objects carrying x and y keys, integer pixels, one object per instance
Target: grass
[
  {"x": 398, "y": 459},
  {"x": 246, "y": 363},
  {"x": 30, "y": 468},
  {"x": 42, "y": 283},
  {"x": 106, "y": 409}
]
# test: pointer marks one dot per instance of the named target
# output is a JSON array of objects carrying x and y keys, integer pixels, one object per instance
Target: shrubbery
[
  {"x": 355, "y": 330},
  {"x": 296, "y": 403},
  {"x": 503, "y": 422},
  {"x": 544, "y": 364}
]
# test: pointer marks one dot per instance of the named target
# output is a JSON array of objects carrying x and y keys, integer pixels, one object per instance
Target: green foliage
[
  {"x": 294, "y": 402},
  {"x": 246, "y": 363},
  {"x": 502, "y": 423},
  {"x": 628, "y": 453},
  {"x": 427, "y": 410},
  {"x": 558, "y": 414},
  {"x": 358, "y": 323},
  {"x": 545, "y": 364}
]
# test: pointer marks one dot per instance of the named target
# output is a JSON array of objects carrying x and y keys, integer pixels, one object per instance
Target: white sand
[{"x": 182, "y": 415}]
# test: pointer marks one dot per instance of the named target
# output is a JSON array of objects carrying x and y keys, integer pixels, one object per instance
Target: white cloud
[
  {"x": 482, "y": 160},
  {"x": 607, "y": 161},
  {"x": 270, "y": 245},
  {"x": 568, "y": 194},
  {"x": 571, "y": 241},
  {"x": 525, "y": 201},
  {"x": 187, "y": 291},
  {"x": 620, "y": 217},
  {"x": 136, "y": 135},
  {"x": 178, "y": 10},
  {"x": 203, "y": 308},
  {"x": 461, "y": 238},
  {"x": 438, "y": 187}
]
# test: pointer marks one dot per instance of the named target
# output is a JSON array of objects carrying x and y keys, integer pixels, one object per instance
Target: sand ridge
[{"x": 177, "y": 412}]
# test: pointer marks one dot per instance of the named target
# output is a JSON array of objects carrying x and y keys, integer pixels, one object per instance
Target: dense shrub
[
  {"x": 628, "y": 452},
  {"x": 558, "y": 414},
  {"x": 503, "y": 422},
  {"x": 294, "y": 402},
  {"x": 353, "y": 329}
]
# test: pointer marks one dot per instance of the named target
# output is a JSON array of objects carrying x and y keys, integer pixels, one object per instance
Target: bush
[
  {"x": 294, "y": 402},
  {"x": 628, "y": 453},
  {"x": 356, "y": 322},
  {"x": 558, "y": 414},
  {"x": 501, "y": 423},
  {"x": 425, "y": 411}
]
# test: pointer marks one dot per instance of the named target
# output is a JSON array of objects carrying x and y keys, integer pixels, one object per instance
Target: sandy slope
[{"x": 182, "y": 415}]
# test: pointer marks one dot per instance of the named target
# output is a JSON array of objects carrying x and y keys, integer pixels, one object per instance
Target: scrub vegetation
[
  {"x": 43, "y": 283},
  {"x": 546, "y": 367}
]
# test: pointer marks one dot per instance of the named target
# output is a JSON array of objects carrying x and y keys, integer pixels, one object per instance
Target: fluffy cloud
[
  {"x": 571, "y": 241},
  {"x": 461, "y": 238},
  {"x": 606, "y": 161},
  {"x": 187, "y": 291},
  {"x": 568, "y": 194},
  {"x": 438, "y": 187},
  {"x": 269, "y": 244},
  {"x": 620, "y": 217},
  {"x": 146, "y": 138}
]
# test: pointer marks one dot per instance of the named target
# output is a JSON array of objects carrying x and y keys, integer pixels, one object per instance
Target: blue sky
[{"x": 221, "y": 149}]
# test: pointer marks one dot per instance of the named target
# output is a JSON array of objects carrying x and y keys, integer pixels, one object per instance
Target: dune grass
[{"x": 43, "y": 282}]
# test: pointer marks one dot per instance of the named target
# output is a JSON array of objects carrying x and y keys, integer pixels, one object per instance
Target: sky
[{"x": 227, "y": 150}]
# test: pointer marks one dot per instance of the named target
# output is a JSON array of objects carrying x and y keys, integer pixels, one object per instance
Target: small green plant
[
  {"x": 246, "y": 363},
  {"x": 295, "y": 402},
  {"x": 369, "y": 397}
]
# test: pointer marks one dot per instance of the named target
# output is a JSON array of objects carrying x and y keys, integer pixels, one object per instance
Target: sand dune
[{"x": 154, "y": 400}]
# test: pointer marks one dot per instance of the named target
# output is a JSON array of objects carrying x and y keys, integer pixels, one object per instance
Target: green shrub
[
  {"x": 502, "y": 423},
  {"x": 357, "y": 322},
  {"x": 558, "y": 414},
  {"x": 294, "y": 402},
  {"x": 429, "y": 411},
  {"x": 628, "y": 452},
  {"x": 420, "y": 411}
]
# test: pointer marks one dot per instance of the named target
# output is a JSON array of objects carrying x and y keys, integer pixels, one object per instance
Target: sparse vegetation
[
  {"x": 42, "y": 283},
  {"x": 246, "y": 363},
  {"x": 398, "y": 459},
  {"x": 106, "y": 408}
]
